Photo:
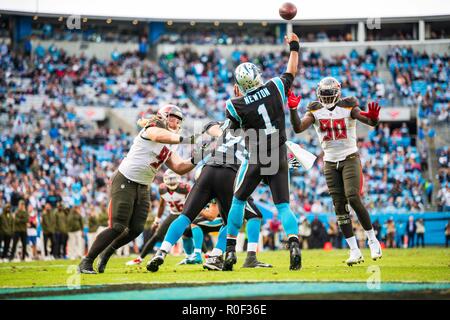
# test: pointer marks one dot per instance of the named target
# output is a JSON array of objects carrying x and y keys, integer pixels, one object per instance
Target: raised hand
[
  {"x": 373, "y": 112},
  {"x": 291, "y": 37},
  {"x": 293, "y": 100}
]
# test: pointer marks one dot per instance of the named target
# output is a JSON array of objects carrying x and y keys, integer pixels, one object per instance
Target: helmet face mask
[
  {"x": 248, "y": 77},
  {"x": 328, "y": 92},
  {"x": 172, "y": 116},
  {"x": 171, "y": 179}
]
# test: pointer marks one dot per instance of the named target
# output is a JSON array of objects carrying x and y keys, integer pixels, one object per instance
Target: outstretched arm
[
  {"x": 294, "y": 46},
  {"x": 299, "y": 125},
  {"x": 370, "y": 117},
  {"x": 178, "y": 165},
  {"x": 161, "y": 135}
]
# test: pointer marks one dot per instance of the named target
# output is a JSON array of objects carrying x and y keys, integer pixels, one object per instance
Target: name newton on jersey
[{"x": 260, "y": 94}]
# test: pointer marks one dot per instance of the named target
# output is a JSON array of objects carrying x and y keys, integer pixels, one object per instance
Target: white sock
[
  {"x": 216, "y": 252},
  {"x": 166, "y": 246},
  {"x": 198, "y": 251},
  {"x": 352, "y": 243},
  {"x": 252, "y": 246},
  {"x": 371, "y": 235}
]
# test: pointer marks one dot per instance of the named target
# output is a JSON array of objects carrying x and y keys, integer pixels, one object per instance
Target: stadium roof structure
[{"x": 230, "y": 10}]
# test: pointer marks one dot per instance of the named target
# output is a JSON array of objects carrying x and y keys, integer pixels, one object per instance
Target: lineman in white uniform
[
  {"x": 130, "y": 185},
  {"x": 173, "y": 192},
  {"x": 334, "y": 119}
]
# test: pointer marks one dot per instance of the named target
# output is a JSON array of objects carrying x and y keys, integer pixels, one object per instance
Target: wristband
[
  {"x": 186, "y": 140},
  {"x": 294, "y": 46}
]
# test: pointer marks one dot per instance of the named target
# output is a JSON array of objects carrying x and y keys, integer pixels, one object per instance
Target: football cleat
[
  {"x": 375, "y": 249},
  {"x": 196, "y": 258},
  {"x": 355, "y": 257},
  {"x": 295, "y": 256},
  {"x": 184, "y": 261},
  {"x": 213, "y": 263},
  {"x": 156, "y": 261},
  {"x": 104, "y": 258},
  {"x": 252, "y": 262},
  {"x": 135, "y": 262},
  {"x": 86, "y": 266},
  {"x": 230, "y": 260}
]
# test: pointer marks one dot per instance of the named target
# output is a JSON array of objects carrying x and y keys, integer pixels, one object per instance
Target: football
[{"x": 288, "y": 11}]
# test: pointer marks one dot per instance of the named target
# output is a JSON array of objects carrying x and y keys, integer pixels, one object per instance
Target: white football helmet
[
  {"x": 328, "y": 92},
  {"x": 171, "y": 179},
  {"x": 248, "y": 77}
]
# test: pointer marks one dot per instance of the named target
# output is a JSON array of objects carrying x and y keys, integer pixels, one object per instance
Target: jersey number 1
[
  {"x": 269, "y": 127},
  {"x": 336, "y": 126}
]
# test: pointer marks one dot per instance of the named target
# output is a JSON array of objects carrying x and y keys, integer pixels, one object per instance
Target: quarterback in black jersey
[
  {"x": 259, "y": 110},
  {"x": 215, "y": 182}
]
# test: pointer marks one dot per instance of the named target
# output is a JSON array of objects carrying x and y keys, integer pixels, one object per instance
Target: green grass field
[{"x": 431, "y": 265}]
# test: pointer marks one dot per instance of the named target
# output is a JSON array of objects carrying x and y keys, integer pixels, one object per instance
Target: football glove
[
  {"x": 374, "y": 111},
  {"x": 293, "y": 100}
]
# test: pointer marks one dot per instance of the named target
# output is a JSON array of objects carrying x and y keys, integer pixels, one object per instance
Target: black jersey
[
  {"x": 263, "y": 111},
  {"x": 230, "y": 148}
]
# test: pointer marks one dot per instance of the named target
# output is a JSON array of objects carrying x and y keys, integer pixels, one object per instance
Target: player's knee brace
[{"x": 342, "y": 212}]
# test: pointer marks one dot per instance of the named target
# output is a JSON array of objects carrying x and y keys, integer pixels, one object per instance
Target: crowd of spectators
[
  {"x": 125, "y": 80},
  {"x": 421, "y": 79}
]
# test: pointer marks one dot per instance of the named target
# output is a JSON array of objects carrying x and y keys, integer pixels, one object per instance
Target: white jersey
[
  {"x": 144, "y": 159},
  {"x": 175, "y": 198},
  {"x": 336, "y": 129}
]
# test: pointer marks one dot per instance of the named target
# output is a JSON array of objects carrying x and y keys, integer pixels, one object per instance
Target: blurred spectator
[
  {"x": 61, "y": 233},
  {"x": 304, "y": 232},
  {"x": 75, "y": 234},
  {"x": 48, "y": 225},
  {"x": 6, "y": 230},
  {"x": 420, "y": 232},
  {"x": 318, "y": 234},
  {"x": 411, "y": 231},
  {"x": 93, "y": 225},
  {"x": 390, "y": 233},
  {"x": 21, "y": 217}
]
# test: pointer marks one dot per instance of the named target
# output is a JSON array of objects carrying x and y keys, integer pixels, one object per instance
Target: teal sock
[
  {"x": 188, "y": 245},
  {"x": 197, "y": 234}
]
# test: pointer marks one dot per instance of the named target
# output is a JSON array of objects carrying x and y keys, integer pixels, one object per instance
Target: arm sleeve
[{"x": 287, "y": 79}]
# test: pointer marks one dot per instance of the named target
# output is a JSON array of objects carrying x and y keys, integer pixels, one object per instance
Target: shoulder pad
[
  {"x": 162, "y": 188},
  {"x": 348, "y": 102},
  {"x": 314, "y": 105}
]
